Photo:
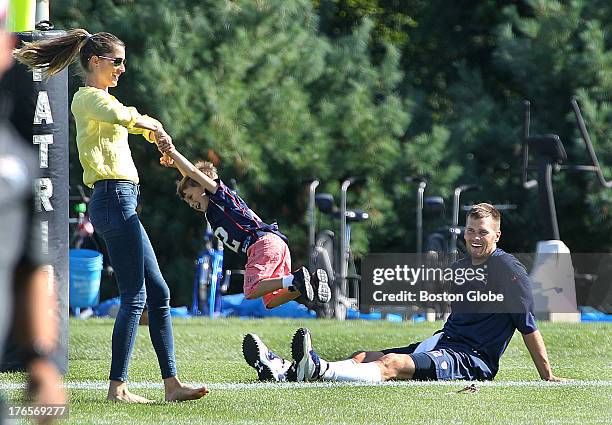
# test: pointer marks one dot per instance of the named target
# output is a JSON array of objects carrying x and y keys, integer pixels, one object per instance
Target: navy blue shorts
[
  {"x": 444, "y": 364},
  {"x": 425, "y": 367}
]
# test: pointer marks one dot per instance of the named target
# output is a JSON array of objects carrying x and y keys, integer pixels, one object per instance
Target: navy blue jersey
[
  {"x": 488, "y": 334},
  {"x": 233, "y": 222}
]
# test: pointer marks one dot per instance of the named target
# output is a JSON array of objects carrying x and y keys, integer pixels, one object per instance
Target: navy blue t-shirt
[
  {"x": 488, "y": 334},
  {"x": 233, "y": 222}
]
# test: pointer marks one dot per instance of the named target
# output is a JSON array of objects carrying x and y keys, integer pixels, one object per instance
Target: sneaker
[
  {"x": 306, "y": 363},
  {"x": 301, "y": 282},
  {"x": 268, "y": 365},
  {"x": 320, "y": 283},
  {"x": 291, "y": 374}
]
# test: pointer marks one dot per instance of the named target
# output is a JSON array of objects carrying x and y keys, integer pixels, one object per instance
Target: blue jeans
[{"x": 112, "y": 211}]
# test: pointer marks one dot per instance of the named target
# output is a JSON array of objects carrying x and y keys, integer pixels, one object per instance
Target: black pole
[{"x": 547, "y": 198}]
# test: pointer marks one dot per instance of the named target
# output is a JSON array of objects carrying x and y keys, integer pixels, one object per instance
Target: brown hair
[
  {"x": 206, "y": 167},
  {"x": 483, "y": 210},
  {"x": 59, "y": 52}
]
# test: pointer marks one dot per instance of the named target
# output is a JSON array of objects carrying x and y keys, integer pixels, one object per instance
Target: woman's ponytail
[{"x": 54, "y": 53}]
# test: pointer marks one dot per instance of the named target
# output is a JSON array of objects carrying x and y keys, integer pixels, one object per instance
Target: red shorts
[{"x": 267, "y": 258}]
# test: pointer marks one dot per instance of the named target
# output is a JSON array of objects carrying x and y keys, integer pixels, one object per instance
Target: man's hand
[{"x": 554, "y": 378}]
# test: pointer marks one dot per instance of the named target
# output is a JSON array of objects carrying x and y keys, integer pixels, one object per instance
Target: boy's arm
[
  {"x": 166, "y": 161},
  {"x": 186, "y": 168}
]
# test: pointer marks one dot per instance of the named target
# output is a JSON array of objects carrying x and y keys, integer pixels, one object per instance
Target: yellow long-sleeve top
[{"x": 103, "y": 124}]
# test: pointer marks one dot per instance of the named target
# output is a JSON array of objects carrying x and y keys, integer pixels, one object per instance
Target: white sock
[
  {"x": 287, "y": 281},
  {"x": 349, "y": 370}
]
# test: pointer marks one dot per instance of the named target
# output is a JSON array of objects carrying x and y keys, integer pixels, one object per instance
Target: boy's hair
[
  {"x": 483, "y": 210},
  {"x": 207, "y": 168}
]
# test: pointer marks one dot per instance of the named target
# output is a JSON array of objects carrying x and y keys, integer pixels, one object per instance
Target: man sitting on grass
[{"x": 471, "y": 342}]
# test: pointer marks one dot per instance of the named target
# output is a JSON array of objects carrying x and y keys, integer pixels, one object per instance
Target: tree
[
  {"x": 277, "y": 92},
  {"x": 255, "y": 88},
  {"x": 547, "y": 56}
]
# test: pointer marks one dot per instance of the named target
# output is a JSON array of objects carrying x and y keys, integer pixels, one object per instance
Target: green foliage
[
  {"x": 549, "y": 56},
  {"x": 254, "y": 87},
  {"x": 276, "y": 92}
]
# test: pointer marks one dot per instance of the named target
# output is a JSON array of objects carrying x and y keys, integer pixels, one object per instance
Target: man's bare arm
[{"x": 535, "y": 344}]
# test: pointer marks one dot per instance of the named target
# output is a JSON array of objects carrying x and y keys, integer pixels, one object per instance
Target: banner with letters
[{"x": 40, "y": 115}]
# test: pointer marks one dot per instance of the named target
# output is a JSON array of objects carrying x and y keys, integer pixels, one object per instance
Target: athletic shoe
[
  {"x": 301, "y": 283},
  {"x": 321, "y": 289},
  {"x": 292, "y": 373},
  {"x": 306, "y": 363},
  {"x": 268, "y": 365},
  {"x": 320, "y": 284}
]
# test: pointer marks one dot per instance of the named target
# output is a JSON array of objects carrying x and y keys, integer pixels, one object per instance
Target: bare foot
[
  {"x": 184, "y": 393},
  {"x": 117, "y": 391}
]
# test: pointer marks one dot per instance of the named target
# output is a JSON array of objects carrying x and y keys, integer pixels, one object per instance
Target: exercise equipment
[{"x": 552, "y": 275}]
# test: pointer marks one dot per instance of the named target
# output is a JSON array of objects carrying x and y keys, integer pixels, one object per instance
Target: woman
[{"x": 103, "y": 124}]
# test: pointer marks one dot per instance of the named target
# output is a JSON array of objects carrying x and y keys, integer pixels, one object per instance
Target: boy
[
  {"x": 267, "y": 271},
  {"x": 268, "y": 267}
]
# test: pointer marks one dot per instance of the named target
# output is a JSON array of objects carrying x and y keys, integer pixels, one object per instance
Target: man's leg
[
  {"x": 364, "y": 366},
  {"x": 371, "y": 366},
  {"x": 390, "y": 366},
  {"x": 366, "y": 356},
  {"x": 396, "y": 366}
]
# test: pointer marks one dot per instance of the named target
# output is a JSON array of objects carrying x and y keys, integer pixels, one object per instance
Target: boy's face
[{"x": 196, "y": 198}]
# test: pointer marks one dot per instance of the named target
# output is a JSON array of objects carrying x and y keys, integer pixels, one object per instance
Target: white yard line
[{"x": 103, "y": 385}]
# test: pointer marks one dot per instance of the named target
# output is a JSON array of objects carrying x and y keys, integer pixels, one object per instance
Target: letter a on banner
[{"x": 42, "y": 114}]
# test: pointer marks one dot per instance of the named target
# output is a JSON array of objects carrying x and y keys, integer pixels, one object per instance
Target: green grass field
[{"x": 210, "y": 352}]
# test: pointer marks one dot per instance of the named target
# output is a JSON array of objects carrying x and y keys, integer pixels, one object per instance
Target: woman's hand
[
  {"x": 164, "y": 143},
  {"x": 159, "y": 133},
  {"x": 165, "y": 146}
]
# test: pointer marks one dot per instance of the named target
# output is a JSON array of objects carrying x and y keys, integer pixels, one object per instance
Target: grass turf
[{"x": 209, "y": 351}]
